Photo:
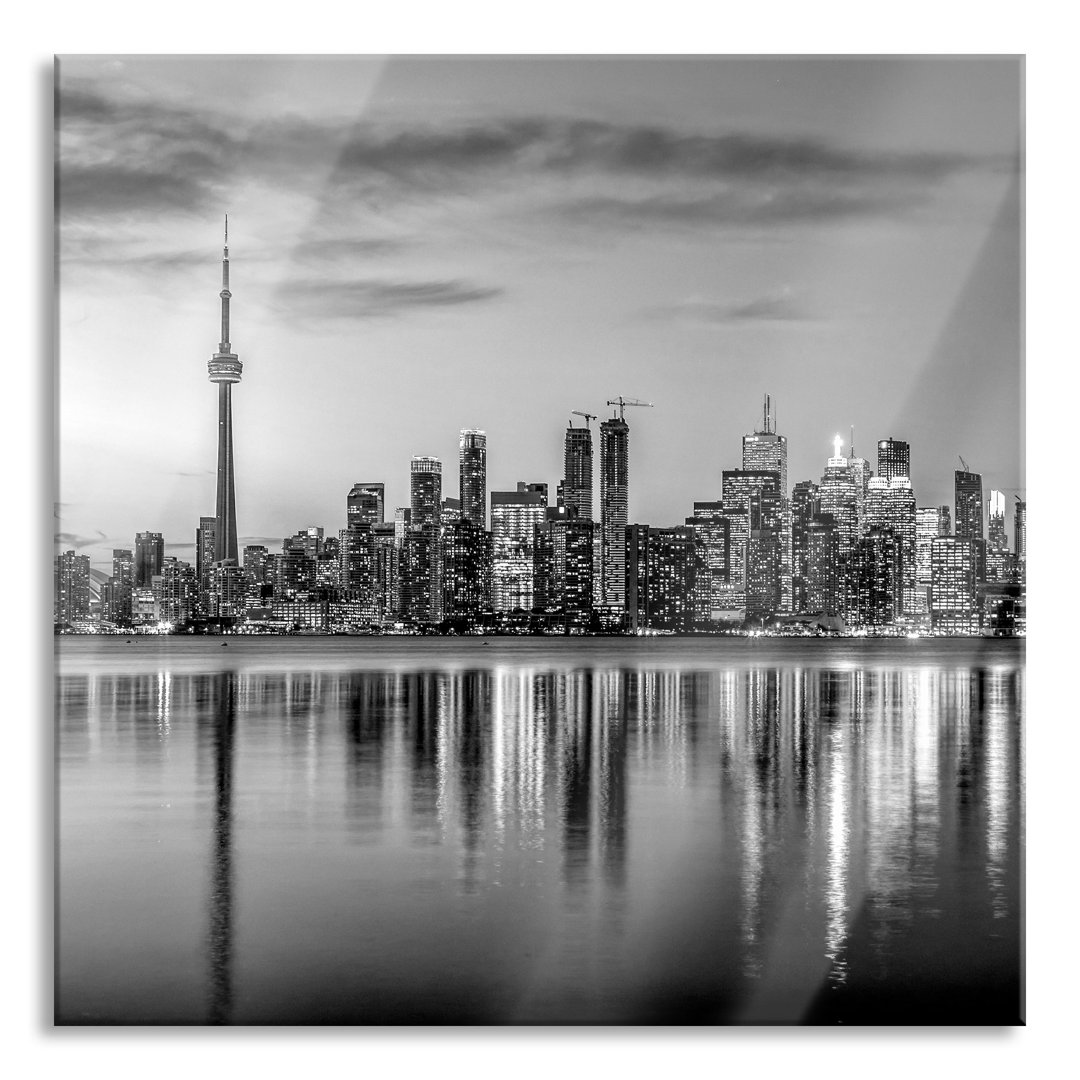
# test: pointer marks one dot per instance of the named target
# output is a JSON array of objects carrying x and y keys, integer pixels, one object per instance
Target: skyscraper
[
  {"x": 614, "y": 502},
  {"x": 1020, "y": 529},
  {"x": 954, "y": 585},
  {"x": 421, "y": 563},
  {"x": 968, "y": 502},
  {"x": 578, "y": 472},
  {"x": 890, "y": 505},
  {"x": 472, "y": 466},
  {"x": 805, "y": 506},
  {"x": 997, "y": 538},
  {"x": 225, "y": 369},
  {"x": 514, "y": 518},
  {"x": 149, "y": 555},
  {"x": 72, "y": 595},
  {"x": 765, "y": 450},
  {"x": 893, "y": 458},
  {"x": 929, "y": 525},
  {"x": 365, "y": 504},
  {"x": 205, "y": 547},
  {"x": 968, "y": 517}
]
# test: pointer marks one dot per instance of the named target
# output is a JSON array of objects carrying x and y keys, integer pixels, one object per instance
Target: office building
[
  {"x": 767, "y": 451},
  {"x": 824, "y": 566},
  {"x": 224, "y": 369},
  {"x": 893, "y": 458},
  {"x": 256, "y": 575},
  {"x": 149, "y": 555},
  {"x": 472, "y": 467},
  {"x": 563, "y": 567},
  {"x": 365, "y": 504},
  {"x": 930, "y": 523},
  {"x": 841, "y": 496},
  {"x": 954, "y": 585},
  {"x": 805, "y": 506},
  {"x": 968, "y": 502},
  {"x": 879, "y": 581},
  {"x": 712, "y": 529},
  {"x": 890, "y": 504}
]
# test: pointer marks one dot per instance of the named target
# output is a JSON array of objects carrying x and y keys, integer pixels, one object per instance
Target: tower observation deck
[{"x": 225, "y": 368}]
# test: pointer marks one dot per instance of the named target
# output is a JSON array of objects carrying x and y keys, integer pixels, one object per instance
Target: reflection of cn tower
[
  {"x": 222, "y": 716},
  {"x": 225, "y": 369}
]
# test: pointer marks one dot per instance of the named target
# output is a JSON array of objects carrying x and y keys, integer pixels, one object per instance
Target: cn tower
[{"x": 225, "y": 369}]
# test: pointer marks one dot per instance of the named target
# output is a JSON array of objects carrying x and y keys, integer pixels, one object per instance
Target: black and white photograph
[{"x": 540, "y": 541}]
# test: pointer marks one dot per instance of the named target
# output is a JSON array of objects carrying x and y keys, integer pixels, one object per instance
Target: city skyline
[{"x": 352, "y": 371}]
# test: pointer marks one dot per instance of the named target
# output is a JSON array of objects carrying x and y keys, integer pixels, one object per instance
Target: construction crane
[
  {"x": 963, "y": 464},
  {"x": 588, "y": 416},
  {"x": 623, "y": 402}
]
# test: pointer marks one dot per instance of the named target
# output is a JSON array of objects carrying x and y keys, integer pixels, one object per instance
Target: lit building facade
[
  {"x": 365, "y": 504},
  {"x": 805, "y": 506},
  {"x": 893, "y": 458},
  {"x": 205, "y": 547},
  {"x": 929, "y": 525},
  {"x": 713, "y": 531},
  {"x": 71, "y": 603},
  {"x": 879, "y": 581},
  {"x": 577, "y": 487},
  {"x": 421, "y": 562},
  {"x": 890, "y": 504},
  {"x": 149, "y": 555},
  {"x": 472, "y": 469},
  {"x": 954, "y": 585},
  {"x": 514, "y": 518},
  {"x": 767, "y": 451},
  {"x": 661, "y": 565},
  {"x": 614, "y": 509},
  {"x": 563, "y": 567},
  {"x": 466, "y": 569},
  {"x": 823, "y": 566}
]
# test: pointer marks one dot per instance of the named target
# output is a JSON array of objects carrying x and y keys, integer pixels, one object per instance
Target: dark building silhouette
[
  {"x": 614, "y": 509},
  {"x": 893, "y": 458},
  {"x": 879, "y": 584},
  {"x": 365, "y": 504},
  {"x": 149, "y": 555}
]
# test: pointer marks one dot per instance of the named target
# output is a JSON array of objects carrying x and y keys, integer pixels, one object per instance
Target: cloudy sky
[{"x": 420, "y": 245}]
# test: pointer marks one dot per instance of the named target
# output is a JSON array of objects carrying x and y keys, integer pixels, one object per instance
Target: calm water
[{"x": 355, "y": 831}]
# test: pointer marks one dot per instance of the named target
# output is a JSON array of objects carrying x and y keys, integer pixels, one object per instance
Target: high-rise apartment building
[
  {"x": 563, "y": 567},
  {"x": 752, "y": 503},
  {"x": 614, "y": 508},
  {"x": 71, "y": 603},
  {"x": 661, "y": 566},
  {"x": 472, "y": 467},
  {"x": 514, "y": 518},
  {"x": 421, "y": 563},
  {"x": 577, "y": 486},
  {"x": 205, "y": 547},
  {"x": 149, "y": 555},
  {"x": 123, "y": 586},
  {"x": 893, "y": 458},
  {"x": 824, "y": 566},
  {"x": 365, "y": 504}
]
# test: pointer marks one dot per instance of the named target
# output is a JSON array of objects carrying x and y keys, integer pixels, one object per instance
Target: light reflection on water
[{"x": 561, "y": 833}]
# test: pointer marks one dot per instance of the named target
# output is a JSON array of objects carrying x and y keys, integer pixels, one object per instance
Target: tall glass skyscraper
[
  {"x": 762, "y": 451},
  {"x": 421, "y": 570},
  {"x": 472, "y": 467},
  {"x": 578, "y": 472},
  {"x": 514, "y": 517},
  {"x": 149, "y": 555},
  {"x": 968, "y": 502},
  {"x": 614, "y": 500},
  {"x": 893, "y": 458},
  {"x": 365, "y": 504}
]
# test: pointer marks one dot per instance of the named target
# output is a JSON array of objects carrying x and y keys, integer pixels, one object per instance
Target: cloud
[
  {"x": 367, "y": 299},
  {"x": 337, "y": 250},
  {"x": 138, "y": 156},
  {"x": 72, "y": 540},
  {"x": 774, "y": 307}
]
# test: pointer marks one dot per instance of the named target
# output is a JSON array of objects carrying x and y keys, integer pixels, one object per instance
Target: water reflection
[{"x": 798, "y": 829}]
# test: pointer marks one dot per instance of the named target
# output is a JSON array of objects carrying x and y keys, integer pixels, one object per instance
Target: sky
[{"x": 420, "y": 245}]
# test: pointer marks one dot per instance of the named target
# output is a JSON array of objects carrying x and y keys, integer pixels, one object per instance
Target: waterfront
[{"x": 538, "y": 831}]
